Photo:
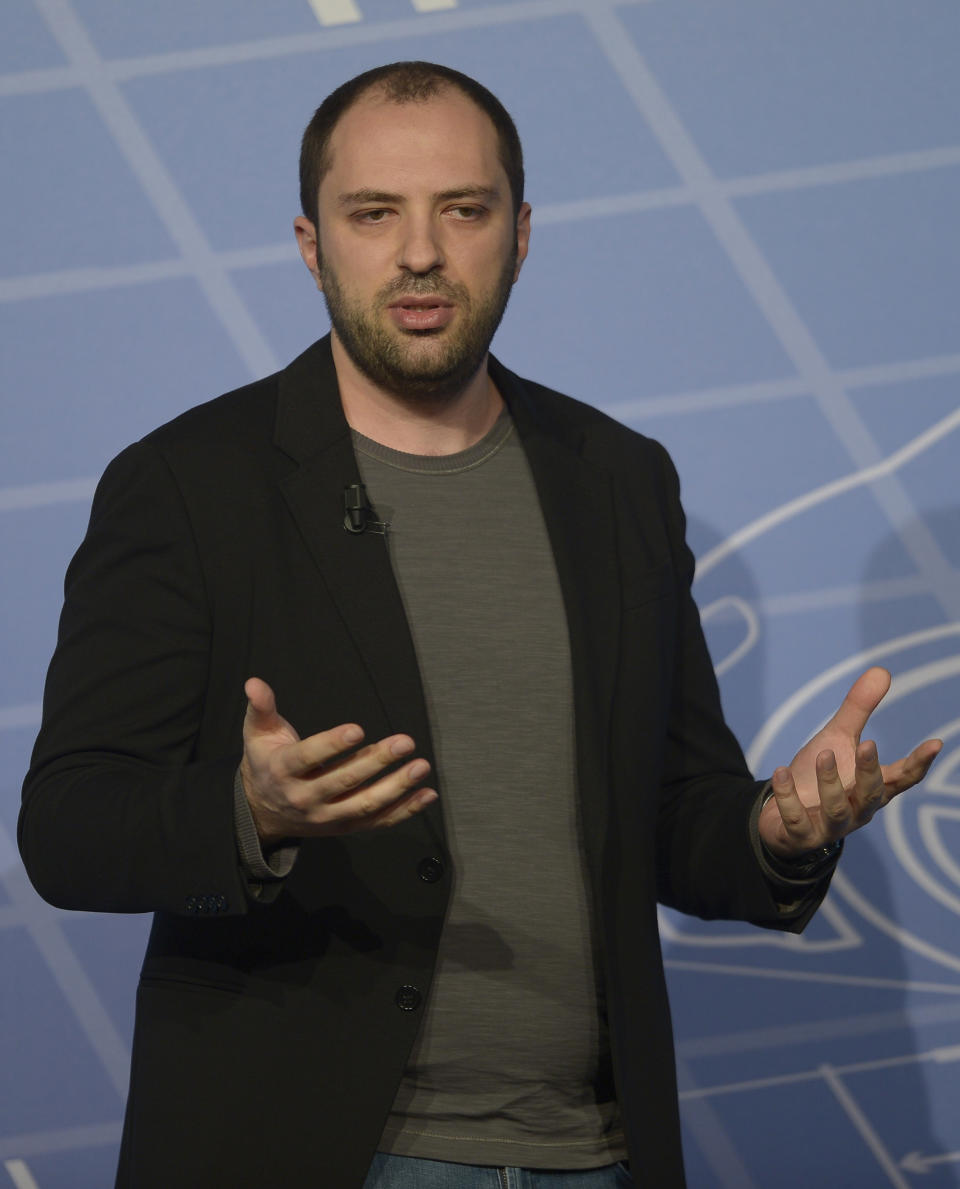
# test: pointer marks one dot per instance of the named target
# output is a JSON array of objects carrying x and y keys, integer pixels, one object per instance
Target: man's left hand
[{"x": 835, "y": 783}]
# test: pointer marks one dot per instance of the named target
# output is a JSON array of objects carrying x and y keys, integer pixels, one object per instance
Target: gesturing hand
[
  {"x": 835, "y": 783},
  {"x": 323, "y": 784}
]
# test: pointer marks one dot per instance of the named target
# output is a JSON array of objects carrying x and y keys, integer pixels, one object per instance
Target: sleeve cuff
[
  {"x": 790, "y": 882},
  {"x": 258, "y": 868}
]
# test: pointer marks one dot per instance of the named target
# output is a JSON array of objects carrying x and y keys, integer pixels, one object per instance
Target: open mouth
[{"x": 421, "y": 313}]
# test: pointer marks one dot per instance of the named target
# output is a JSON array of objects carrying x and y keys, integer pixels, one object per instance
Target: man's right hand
[{"x": 323, "y": 784}]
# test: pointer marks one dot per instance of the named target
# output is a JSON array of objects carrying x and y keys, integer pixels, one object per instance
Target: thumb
[
  {"x": 863, "y": 697},
  {"x": 261, "y": 713}
]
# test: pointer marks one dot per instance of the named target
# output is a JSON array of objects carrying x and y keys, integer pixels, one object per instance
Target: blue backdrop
[{"x": 745, "y": 243}]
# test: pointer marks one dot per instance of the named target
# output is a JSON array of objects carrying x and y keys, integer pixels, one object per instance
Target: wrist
[
  {"x": 807, "y": 863},
  {"x": 802, "y": 865}
]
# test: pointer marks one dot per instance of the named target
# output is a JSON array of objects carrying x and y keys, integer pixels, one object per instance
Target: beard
[{"x": 419, "y": 366}]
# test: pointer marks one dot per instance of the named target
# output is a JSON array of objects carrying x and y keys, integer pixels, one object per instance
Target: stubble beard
[{"x": 422, "y": 367}]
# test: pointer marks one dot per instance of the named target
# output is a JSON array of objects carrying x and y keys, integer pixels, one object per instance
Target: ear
[
  {"x": 306, "y": 235},
  {"x": 523, "y": 237}
]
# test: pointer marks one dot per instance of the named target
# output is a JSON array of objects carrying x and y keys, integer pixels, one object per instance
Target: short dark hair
[{"x": 402, "y": 82}]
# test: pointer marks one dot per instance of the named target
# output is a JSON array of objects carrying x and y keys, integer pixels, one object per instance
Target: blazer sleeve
[
  {"x": 119, "y": 814},
  {"x": 708, "y": 859}
]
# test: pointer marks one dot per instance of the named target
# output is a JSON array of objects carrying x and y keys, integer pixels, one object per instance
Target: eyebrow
[{"x": 486, "y": 193}]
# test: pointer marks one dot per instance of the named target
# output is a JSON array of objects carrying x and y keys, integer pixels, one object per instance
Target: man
[{"x": 417, "y": 946}]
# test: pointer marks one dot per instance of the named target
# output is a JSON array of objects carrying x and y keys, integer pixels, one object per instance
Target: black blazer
[{"x": 270, "y": 1037}]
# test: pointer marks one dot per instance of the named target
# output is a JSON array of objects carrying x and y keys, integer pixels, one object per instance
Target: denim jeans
[{"x": 408, "y": 1172}]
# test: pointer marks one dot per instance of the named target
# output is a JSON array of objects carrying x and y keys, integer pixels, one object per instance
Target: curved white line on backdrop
[
  {"x": 757, "y": 750},
  {"x": 884, "y": 925},
  {"x": 929, "y": 817},
  {"x": 918, "y": 678},
  {"x": 939, "y": 779},
  {"x": 914, "y": 866},
  {"x": 776, "y": 516},
  {"x": 751, "y": 619}
]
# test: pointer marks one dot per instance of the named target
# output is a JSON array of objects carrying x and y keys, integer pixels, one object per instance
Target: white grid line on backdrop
[
  {"x": 773, "y": 301},
  {"x": 159, "y": 187},
  {"x": 50, "y": 283},
  {"x": 375, "y": 32}
]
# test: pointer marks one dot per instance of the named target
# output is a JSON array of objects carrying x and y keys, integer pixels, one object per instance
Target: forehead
[{"x": 431, "y": 144}]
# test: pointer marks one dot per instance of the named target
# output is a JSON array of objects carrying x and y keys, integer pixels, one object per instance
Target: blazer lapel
[
  {"x": 356, "y": 568},
  {"x": 576, "y": 497}
]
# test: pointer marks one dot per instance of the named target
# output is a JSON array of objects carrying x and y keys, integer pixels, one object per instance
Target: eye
[
  {"x": 372, "y": 216},
  {"x": 466, "y": 213}
]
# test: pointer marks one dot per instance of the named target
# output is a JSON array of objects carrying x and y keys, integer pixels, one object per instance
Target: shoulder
[
  {"x": 250, "y": 416},
  {"x": 237, "y": 436},
  {"x": 595, "y": 435},
  {"x": 201, "y": 452},
  {"x": 245, "y": 415}
]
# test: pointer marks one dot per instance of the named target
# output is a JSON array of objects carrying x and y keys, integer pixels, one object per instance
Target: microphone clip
[{"x": 358, "y": 516}]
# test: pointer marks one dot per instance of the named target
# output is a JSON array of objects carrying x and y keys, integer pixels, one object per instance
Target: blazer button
[
  {"x": 430, "y": 870},
  {"x": 407, "y": 998}
]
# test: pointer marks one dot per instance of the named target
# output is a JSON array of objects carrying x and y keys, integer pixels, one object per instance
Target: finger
[
  {"x": 405, "y": 808},
  {"x": 869, "y": 792},
  {"x": 308, "y": 757},
  {"x": 798, "y": 828},
  {"x": 835, "y": 809},
  {"x": 366, "y": 766},
  {"x": 863, "y": 697},
  {"x": 380, "y": 803},
  {"x": 331, "y": 761},
  {"x": 905, "y": 773}
]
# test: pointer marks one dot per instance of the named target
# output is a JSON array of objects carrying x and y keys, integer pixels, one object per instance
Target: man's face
[{"x": 418, "y": 245}]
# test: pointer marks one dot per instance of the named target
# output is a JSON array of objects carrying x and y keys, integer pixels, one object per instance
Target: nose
[{"x": 420, "y": 250}]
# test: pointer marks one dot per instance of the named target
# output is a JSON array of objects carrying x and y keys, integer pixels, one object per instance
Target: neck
[{"x": 449, "y": 426}]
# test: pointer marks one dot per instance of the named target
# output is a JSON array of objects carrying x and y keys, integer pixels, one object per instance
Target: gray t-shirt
[{"x": 512, "y": 1066}]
